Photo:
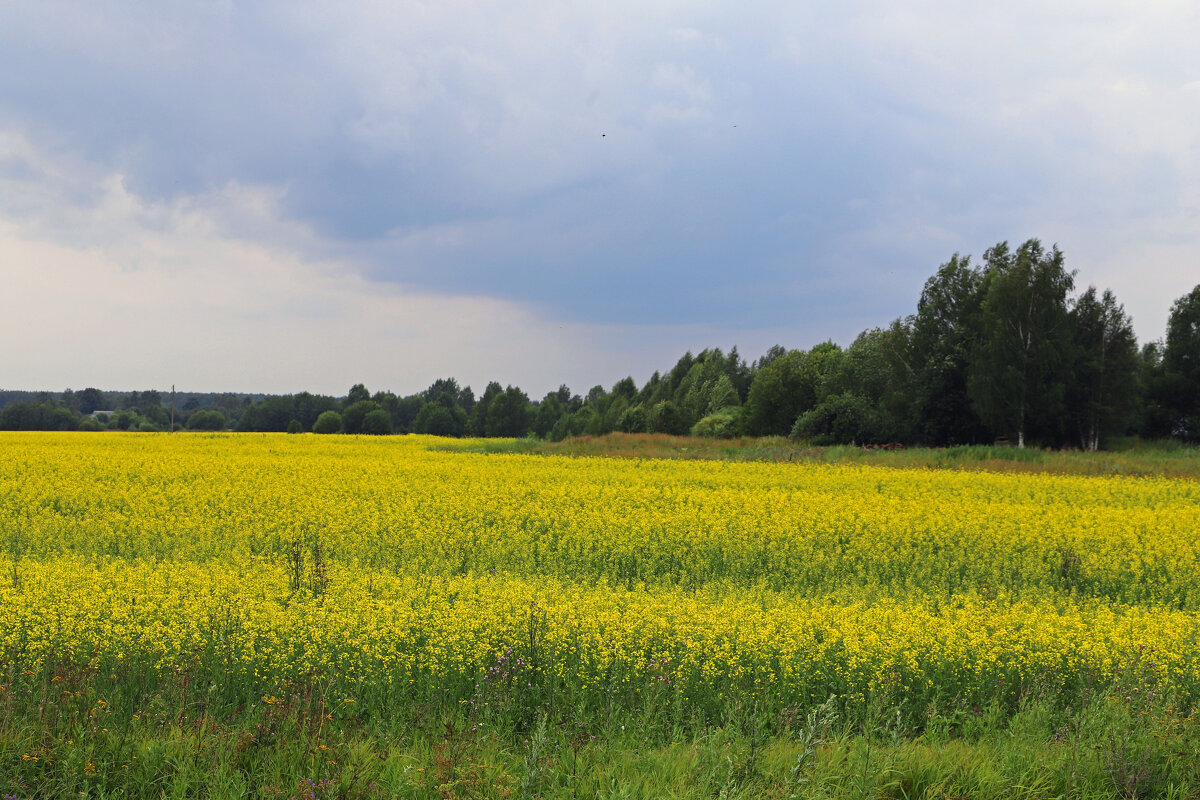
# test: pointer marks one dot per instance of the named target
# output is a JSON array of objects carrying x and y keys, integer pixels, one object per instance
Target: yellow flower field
[{"x": 391, "y": 570}]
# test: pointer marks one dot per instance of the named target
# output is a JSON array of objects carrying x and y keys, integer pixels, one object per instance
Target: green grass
[
  {"x": 63, "y": 738},
  {"x": 1131, "y": 457}
]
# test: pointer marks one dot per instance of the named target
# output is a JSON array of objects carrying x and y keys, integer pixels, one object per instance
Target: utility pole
[{"x": 172, "y": 408}]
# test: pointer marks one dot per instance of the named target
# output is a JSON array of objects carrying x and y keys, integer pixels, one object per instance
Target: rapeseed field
[{"x": 388, "y": 572}]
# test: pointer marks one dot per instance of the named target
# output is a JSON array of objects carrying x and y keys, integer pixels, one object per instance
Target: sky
[{"x": 277, "y": 196}]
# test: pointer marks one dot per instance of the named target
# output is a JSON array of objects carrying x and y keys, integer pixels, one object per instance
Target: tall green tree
[
  {"x": 436, "y": 419},
  {"x": 1017, "y": 379},
  {"x": 1181, "y": 365},
  {"x": 1102, "y": 396},
  {"x": 377, "y": 422},
  {"x": 781, "y": 391},
  {"x": 353, "y": 416},
  {"x": 478, "y": 425},
  {"x": 357, "y": 394},
  {"x": 1155, "y": 418},
  {"x": 509, "y": 414},
  {"x": 547, "y": 415},
  {"x": 877, "y": 369},
  {"x": 91, "y": 399},
  {"x": 722, "y": 395},
  {"x": 945, "y": 330},
  {"x": 307, "y": 407}
]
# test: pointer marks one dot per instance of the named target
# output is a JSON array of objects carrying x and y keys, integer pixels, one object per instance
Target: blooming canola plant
[{"x": 394, "y": 569}]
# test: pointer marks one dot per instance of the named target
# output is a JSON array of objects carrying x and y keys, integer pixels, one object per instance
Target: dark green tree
[
  {"x": 353, "y": 416},
  {"x": 788, "y": 386},
  {"x": 91, "y": 399},
  {"x": 406, "y": 412},
  {"x": 391, "y": 404},
  {"x": 842, "y": 419},
  {"x": 206, "y": 419},
  {"x": 157, "y": 417},
  {"x": 307, "y": 407},
  {"x": 1102, "y": 396},
  {"x": 478, "y": 425},
  {"x": 877, "y": 369},
  {"x": 328, "y": 422},
  {"x": 509, "y": 414},
  {"x": 1017, "y": 379},
  {"x": 773, "y": 352},
  {"x": 547, "y": 415},
  {"x": 625, "y": 388},
  {"x": 272, "y": 414},
  {"x": 944, "y": 335},
  {"x": 377, "y": 422},
  {"x": 37, "y": 416},
  {"x": 357, "y": 394},
  {"x": 611, "y": 419},
  {"x": 1181, "y": 366},
  {"x": 634, "y": 420},
  {"x": 666, "y": 418},
  {"x": 436, "y": 419},
  {"x": 780, "y": 392}
]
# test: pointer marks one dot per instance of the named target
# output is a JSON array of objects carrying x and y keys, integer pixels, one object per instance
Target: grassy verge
[
  {"x": 1168, "y": 459},
  {"x": 82, "y": 732}
]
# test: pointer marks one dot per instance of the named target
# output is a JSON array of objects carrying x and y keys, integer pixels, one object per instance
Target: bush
[
  {"x": 295, "y": 427},
  {"x": 37, "y": 417},
  {"x": 123, "y": 420},
  {"x": 354, "y": 414},
  {"x": 328, "y": 422},
  {"x": 721, "y": 425},
  {"x": 377, "y": 423},
  {"x": 434, "y": 419},
  {"x": 206, "y": 419},
  {"x": 667, "y": 418},
  {"x": 633, "y": 420},
  {"x": 841, "y": 419}
]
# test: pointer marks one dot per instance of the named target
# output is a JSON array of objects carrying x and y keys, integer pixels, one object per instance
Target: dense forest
[{"x": 1003, "y": 350}]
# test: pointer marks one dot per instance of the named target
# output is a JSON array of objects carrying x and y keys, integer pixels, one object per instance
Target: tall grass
[
  {"x": 1135, "y": 457},
  {"x": 82, "y": 732}
]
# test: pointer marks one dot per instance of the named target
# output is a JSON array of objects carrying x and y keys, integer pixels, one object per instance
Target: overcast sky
[{"x": 279, "y": 196}]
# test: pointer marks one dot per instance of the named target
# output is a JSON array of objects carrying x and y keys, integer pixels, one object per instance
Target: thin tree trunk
[{"x": 1021, "y": 424}]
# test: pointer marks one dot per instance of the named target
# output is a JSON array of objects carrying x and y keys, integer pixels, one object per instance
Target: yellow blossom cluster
[{"x": 391, "y": 568}]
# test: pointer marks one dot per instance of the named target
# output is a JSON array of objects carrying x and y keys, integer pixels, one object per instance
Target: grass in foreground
[
  {"x": 84, "y": 733},
  {"x": 1134, "y": 458}
]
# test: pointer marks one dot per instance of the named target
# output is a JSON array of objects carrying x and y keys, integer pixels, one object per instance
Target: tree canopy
[{"x": 1002, "y": 349}]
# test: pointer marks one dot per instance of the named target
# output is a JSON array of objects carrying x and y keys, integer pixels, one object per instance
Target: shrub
[
  {"x": 328, "y": 422},
  {"x": 377, "y": 423},
  {"x": 434, "y": 419},
  {"x": 633, "y": 420},
  {"x": 667, "y": 418},
  {"x": 721, "y": 425},
  {"x": 206, "y": 419},
  {"x": 353, "y": 415},
  {"x": 841, "y": 419}
]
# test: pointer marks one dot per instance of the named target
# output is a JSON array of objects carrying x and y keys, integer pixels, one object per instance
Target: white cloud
[
  {"x": 119, "y": 292},
  {"x": 584, "y": 158}
]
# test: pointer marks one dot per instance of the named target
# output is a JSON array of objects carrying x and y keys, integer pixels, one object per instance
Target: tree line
[{"x": 1003, "y": 349}]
